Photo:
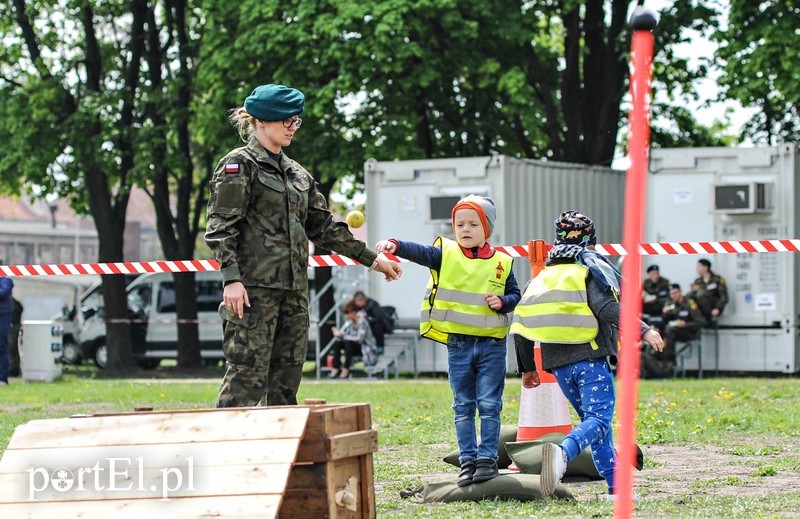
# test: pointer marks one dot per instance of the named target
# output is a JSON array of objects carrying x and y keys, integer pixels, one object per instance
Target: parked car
[
  {"x": 73, "y": 319},
  {"x": 154, "y": 330}
]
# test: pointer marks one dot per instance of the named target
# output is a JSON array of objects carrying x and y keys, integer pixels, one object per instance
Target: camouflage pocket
[{"x": 238, "y": 345}]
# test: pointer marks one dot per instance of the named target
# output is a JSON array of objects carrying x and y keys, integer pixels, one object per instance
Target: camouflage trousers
[{"x": 265, "y": 349}]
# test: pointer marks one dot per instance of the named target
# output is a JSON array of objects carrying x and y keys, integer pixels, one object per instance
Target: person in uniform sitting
[
  {"x": 655, "y": 294},
  {"x": 682, "y": 322},
  {"x": 710, "y": 292}
]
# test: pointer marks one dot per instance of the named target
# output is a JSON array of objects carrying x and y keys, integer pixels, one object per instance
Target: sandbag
[
  {"x": 521, "y": 487},
  {"x": 508, "y": 433},
  {"x": 527, "y": 456}
]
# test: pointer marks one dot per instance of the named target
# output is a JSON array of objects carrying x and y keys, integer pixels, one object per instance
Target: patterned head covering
[{"x": 575, "y": 228}]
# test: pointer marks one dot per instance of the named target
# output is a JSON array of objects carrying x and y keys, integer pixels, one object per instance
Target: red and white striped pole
[{"x": 643, "y": 23}]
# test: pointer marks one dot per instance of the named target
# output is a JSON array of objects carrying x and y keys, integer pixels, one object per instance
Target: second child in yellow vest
[
  {"x": 467, "y": 306},
  {"x": 572, "y": 309}
]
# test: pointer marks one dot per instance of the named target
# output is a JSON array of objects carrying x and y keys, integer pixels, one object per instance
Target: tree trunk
[
  {"x": 177, "y": 242},
  {"x": 109, "y": 212}
]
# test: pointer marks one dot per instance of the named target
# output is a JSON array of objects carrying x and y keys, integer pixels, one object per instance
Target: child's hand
[
  {"x": 385, "y": 246},
  {"x": 494, "y": 302},
  {"x": 530, "y": 379}
]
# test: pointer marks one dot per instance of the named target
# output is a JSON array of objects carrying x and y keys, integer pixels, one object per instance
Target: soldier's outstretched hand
[{"x": 390, "y": 269}]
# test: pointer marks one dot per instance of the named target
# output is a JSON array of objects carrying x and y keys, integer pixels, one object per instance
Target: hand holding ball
[{"x": 355, "y": 219}]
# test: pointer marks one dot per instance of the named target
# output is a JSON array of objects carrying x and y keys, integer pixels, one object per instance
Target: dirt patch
[{"x": 675, "y": 471}]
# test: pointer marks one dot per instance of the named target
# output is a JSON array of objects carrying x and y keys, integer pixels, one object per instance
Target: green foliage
[
  {"x": 676, "y": 127},
  {"x": 759, "y": 54}
]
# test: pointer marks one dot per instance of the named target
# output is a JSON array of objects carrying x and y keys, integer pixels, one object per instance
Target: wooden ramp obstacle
[{"x": 285, "y": 462}]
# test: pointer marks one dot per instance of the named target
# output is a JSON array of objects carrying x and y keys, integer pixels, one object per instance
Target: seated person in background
[
  {"x": 655, "y": 294},
  {"x": 683, "y": 320},
  {"x": 355, "y": 338},
  {"x": 710, "y": 291},
  {"x": 379, "y": 322}
]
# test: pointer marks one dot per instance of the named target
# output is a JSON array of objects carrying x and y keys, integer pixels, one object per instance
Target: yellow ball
[{"x": 355, "y": 219}]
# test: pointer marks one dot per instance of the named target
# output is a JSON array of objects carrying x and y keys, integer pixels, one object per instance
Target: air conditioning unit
[{"x": 749, "y": 198}]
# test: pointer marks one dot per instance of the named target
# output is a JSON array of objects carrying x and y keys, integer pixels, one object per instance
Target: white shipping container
[
  {"x": 411, "y": 200},
  {"x": 730, "y": 194}
]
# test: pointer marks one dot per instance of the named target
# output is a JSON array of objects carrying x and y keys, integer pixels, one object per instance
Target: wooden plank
[
  {"x": 151, "y": 483},
  {"x": 307, "y": 503},
  {"x": 367, "y": 480},
  {"x": 339, "y": 472},
  {"x": 307, "y": 476},
  {"x": 150, "y": 428},
  {"x": 352, "y": 444},
  {"x": 239, "y": 507},
  {"x": 204, "y": 454},
  {"x": 324, "y": 422}
]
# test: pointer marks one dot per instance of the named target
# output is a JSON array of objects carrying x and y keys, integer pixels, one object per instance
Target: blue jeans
[
  {"x": 477, "y": 372},
  {"x": 5, "y": 325},
  {"x": 589, "y": 387}
]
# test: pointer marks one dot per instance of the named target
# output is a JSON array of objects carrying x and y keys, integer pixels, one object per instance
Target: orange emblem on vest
[{"x": 499, "y": 270}]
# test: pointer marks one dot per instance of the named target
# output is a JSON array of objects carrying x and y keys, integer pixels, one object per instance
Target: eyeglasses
[{"x": 287, "y": 123}]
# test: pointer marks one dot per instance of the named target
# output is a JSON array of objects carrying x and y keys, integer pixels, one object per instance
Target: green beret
[{"x": 274, "y": 102}]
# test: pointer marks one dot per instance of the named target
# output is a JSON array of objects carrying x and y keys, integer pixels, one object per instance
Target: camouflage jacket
[
  {"x": 713, "y": 294},
  {"x": 686, "y": 311},
  {"x": 661, "y": 292},
  {"x": 261, "y": 216}
]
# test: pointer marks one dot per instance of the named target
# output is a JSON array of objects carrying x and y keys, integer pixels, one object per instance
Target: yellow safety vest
[
  {"x": 455, "y": 298},
  {"x": 554, "y": 307}
]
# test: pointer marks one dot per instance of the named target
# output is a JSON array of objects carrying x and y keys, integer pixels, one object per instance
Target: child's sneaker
[
  {"x": 554, "y": 464},
  {"x": 486, "y": 470},
  {"x": 466, "y": 474}
]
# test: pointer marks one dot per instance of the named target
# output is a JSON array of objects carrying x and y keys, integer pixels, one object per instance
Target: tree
[
  {"x": 165, "y": 157},
  {"x": 439, "y": 78},
  {"x": 759, "y": 52},
  {"x": 95, "y": 114},
  {"x": 78, "y": 143}
]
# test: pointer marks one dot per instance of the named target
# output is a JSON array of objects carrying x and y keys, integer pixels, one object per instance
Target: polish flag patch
[{"x": 231, "y": 168}]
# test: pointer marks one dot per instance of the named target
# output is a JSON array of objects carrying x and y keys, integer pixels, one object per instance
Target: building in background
[{"x": 35, "y": 232}]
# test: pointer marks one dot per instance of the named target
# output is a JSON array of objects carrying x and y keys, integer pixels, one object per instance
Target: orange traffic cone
[{"x": 542, "y": 409}]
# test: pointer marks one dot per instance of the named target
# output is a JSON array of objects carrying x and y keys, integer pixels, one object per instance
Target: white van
[
  {"x": 72, "y": 319},
  {"x": 151, "y": 304}
]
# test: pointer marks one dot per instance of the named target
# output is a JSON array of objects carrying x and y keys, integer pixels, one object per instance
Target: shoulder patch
[{"x": 231, "y": 168}]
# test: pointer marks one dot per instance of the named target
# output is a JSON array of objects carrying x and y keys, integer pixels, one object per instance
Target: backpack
[{"x": 390, "y": 318}]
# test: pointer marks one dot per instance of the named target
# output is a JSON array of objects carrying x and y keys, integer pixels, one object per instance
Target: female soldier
[{"x": 263, "y": 210}]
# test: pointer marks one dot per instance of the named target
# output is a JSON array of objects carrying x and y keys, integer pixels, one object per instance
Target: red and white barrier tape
[
  {"x": 163, "y": 321},
  {"x": 335, "y": 260}
]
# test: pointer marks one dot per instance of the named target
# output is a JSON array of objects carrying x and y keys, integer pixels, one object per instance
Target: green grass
[{"x": 756, "y": 421}]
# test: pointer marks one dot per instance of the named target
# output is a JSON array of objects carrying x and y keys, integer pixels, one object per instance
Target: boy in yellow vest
[
  {"x": 470, "y": 295},
  {"x": 572, "y": 309}
]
